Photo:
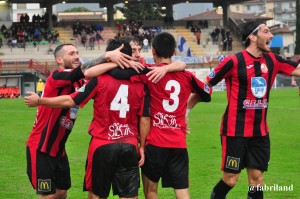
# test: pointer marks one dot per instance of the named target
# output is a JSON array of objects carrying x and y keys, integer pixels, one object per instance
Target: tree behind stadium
[{"x": 141, "y": 11}]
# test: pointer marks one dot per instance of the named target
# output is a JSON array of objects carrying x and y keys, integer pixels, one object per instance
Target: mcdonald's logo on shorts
[
  {"x": 44, "y": 185},
  {"x": 232, "y": 163}
]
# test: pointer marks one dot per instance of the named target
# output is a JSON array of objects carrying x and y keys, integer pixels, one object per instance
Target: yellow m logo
[
  {"x": 44, "y": 185},
  {"x": 232, "y": 163}
]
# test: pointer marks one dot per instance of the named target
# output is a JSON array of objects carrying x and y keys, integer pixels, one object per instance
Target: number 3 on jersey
[
  {"x": 120, "y": 101},
  {"x": 174, "y": 96}
]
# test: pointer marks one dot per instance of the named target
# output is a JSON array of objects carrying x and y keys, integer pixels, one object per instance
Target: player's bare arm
[
  {"x": 115, "y": 56},
  {"x": 103, "y": 68},
  {"x": 144, "y": 130},
  {"x": 157, "y": 73},
  {"x": 63, "y": 101}
]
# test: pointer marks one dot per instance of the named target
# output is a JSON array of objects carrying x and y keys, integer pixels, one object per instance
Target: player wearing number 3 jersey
[{"x": 166, "y": 155}]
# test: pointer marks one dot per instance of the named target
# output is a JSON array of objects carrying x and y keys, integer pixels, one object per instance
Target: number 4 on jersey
[{"x": 120, "y": 101}]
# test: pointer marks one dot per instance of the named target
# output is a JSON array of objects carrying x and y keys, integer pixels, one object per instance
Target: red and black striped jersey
[
  {"x": 117, "y": 107},
  {"x": 52, "y": 126},
  {"x": 248, "y": 83}
]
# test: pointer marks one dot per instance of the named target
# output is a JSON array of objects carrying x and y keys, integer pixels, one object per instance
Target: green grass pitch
[{"x": 204, "y": 148}]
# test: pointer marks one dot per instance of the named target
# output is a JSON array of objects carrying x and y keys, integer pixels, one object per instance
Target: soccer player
[
  {"x": 249, "y": 76},
  {"x": 166, "y": 153},
  {"x": 47, "y": 161},
  {"x": 119, "y": 107}
]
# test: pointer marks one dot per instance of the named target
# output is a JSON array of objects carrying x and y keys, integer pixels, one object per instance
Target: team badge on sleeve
[
  {"x": 211, "y": 74},
  {"x": 206, "y": 88}
]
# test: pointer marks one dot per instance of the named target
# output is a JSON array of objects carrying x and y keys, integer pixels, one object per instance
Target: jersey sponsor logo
[
  {"x": 165, "y": 121},
  {"x": 264, "y": 68},
  {"x": 67, "y": 70},
  {"x": 258, "y": 86},
  {"x": 255, "y": 104},
  {"x": 249, "y": 66},
  {"x": 118, "y": 131},
  {"x": 44, "y": 185},
  {"x": 65, "y": 122},
  {"x": 211, "y": 74},
  {"x": 232, "y": 163}
]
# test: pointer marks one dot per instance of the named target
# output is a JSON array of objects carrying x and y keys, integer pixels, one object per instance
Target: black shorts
[
  {"x": 113, "y": 165},
  {"x": 47, "y": 173},
  {"x": 245, "y": 152},
  {"x": 170, "y": 164}
]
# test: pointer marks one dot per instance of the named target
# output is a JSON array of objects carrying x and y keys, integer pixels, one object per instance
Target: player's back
[
  {"x": 167, "y": 109},
  {"x": 117, "y": 105}
]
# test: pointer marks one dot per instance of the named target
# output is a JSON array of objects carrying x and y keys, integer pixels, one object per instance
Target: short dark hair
[
  {"x": 116, "y": 43},
  {"x": 164, "y": 45},
  {"x": 58, "y": 48}
]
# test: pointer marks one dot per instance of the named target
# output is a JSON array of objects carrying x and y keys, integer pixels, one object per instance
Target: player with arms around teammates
[{"x": 249, "y": 76}]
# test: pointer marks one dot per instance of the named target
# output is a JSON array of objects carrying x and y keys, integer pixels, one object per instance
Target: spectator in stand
[
  {"x": 217, "y": 31},
  {"x": 213, "y": 37},
  {"x": 26, "y": 18},
  {"x": 198, "y": 36},
  {"x": 205, "y": 24},
  {"x": 37, "y": 35},
  {"x": 92, "y": 41},
  {"x": 229, "y": 39},
  {"x": 225, "y": 44},
  {"x": 223, "y": 33}
]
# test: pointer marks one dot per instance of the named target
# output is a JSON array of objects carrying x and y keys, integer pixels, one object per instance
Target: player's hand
[
  {"x": 137, "y": 66},
  {"x": 294, "y": 83},
  {"x": 32, "y": 99},
  {"x": 156, "y": 73},
  {"x": 142, "y": 156},
  {"x": 118, "y": 57}
]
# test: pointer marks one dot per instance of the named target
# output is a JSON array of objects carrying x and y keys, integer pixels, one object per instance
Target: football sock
[
  {"x": 220, "y": 190},
  {"x": 254, "y": 193}
]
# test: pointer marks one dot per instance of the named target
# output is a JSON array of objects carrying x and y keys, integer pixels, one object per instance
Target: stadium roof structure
[
  {"x": 110, "y": 3},
  {"x": 213, "y": 15},
  {"x": 53, "y": 2}
]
